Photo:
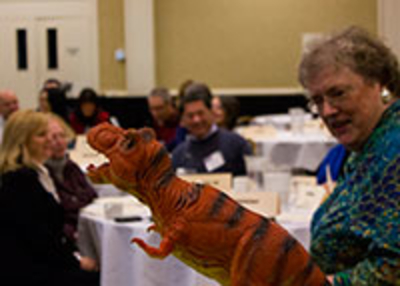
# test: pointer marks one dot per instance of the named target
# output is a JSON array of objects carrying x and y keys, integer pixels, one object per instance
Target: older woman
[
  {"x": 33, "y": 249},
  {"x": 72, "y": 186},
  {"x": 353, "y": 82}
]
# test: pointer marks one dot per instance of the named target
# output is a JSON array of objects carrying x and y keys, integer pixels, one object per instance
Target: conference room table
[
  {"x": 286, "y": 148},
  {"x": 124, "y": 264},
  {"x": 282, "y": 121}
]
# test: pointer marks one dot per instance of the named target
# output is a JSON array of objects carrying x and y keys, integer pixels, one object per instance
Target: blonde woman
[{"x": 33, "y": 248}]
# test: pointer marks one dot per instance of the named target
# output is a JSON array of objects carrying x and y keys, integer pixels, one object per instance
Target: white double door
[{"x": 34, "y": 48}]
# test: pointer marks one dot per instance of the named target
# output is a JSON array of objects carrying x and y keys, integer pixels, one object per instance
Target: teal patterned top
[{"x": 356, "y": 231}]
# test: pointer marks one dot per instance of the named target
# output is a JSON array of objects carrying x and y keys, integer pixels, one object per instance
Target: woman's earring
[{"x": 386, "y": 95}]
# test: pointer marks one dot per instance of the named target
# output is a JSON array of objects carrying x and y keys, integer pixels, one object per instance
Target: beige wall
[
  {"x": 111, "y": 37},
  {"x": 245, "y": 43}
]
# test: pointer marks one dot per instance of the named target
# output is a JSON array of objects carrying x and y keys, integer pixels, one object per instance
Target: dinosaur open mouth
[{"x": 103, "y": 137}]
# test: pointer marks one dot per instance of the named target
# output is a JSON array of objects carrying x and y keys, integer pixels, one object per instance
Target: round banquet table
[{"x": 123, "y": 264}]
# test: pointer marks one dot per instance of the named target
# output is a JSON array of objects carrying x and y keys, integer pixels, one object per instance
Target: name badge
[{"x": 214, "y": 161}]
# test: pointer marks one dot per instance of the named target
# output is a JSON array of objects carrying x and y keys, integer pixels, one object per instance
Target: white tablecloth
[
  {"x": 284, "y": 146},
  {"x": 301, "y": 151},
  {"x": 286, "y": 149},
  {"x": 108, "y": 190},
  {"x": 123, "y": 264},
  {"x": 279, "y": 121}
]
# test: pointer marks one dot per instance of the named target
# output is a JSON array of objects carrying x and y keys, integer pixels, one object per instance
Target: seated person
[
  {"x": 9, "y": 103},
  {"x": 54, "y": 100},
  {"x": 34, "y": 250},
  {"x": 331, "y": 168},
  {"x": 52, "y": 83},
  {"x": 181, "y": 131},
  {"x": 226, "y": 111},
  {"x": 335, "y": 159},
  {"x": 165, "y": 118},
  {"x": 74, "y": 190},
  {"x": 207, "y": 148},
  {"x": 44, "y": 105},
  {"x": 88, "y": 112}
]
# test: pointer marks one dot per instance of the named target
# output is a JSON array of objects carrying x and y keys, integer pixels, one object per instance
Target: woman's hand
[
  {"x": 330, "y": 278},
  {"x": 88, "y": 264}
]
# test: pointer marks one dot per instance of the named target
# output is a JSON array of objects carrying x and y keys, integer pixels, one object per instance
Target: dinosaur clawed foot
[
  {"x": 138, "y": 241},
  {"x": 151, "y": 228},
  {"x": 98, "y": 175}
]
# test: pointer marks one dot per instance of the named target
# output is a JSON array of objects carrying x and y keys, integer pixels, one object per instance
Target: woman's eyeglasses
[{"x": 334, "y": 97}]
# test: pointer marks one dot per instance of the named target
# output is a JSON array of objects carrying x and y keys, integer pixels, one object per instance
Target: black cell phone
[{"x": 128, "y": 219}]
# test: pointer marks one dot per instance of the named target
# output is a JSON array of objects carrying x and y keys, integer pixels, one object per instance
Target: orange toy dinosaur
[{"x": 200, "y": 225}]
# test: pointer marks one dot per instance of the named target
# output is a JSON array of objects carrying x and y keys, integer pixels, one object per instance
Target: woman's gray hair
[{"x": 357, "y": 50}]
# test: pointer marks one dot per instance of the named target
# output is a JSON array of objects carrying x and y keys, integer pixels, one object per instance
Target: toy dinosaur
[{"x": 199, "y": 224}]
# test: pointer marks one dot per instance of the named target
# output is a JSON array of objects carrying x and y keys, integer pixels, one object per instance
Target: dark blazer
[{"x": 33, "y": 249}]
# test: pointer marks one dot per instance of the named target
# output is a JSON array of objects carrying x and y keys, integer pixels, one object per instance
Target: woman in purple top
[{"x": 72, "y": 186}]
